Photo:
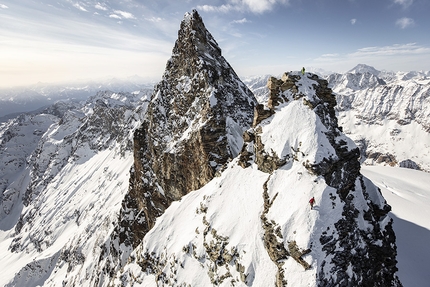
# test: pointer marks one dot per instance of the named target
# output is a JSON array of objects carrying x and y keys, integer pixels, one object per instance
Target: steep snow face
[
  {"x": 364, "y": 69},
  {"x": 249, "y": 227},
  {"x": 69, "y": 193},
  {"x": 352, "y": 82},
  {"x": 193, "y": 127}
]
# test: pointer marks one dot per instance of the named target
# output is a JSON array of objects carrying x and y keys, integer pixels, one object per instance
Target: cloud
[
  {"x": 399, "y": 57},
  {"x": 210, "y": 8},
  {"x": 404, "y": 22},
  {"x": 124, "y": 14},
  {"x": 100, "y": 6},
  {"x": 404, "y": 3},
  {"x": 330, "y": 55},
  {"x": 115, "y": 16},
  {"x": 397, "y": 49},
  {"x": 353, "y": 21},
  {"x": 241, "y": 21},
  {"x": 154, "y": 19},
  {"x": 254, "y": 6},
  {"x": 3, "y": 6},
  {"x": 80, "y": 7}
]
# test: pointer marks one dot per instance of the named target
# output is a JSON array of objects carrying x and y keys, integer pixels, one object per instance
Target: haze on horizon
[{"x": 61, "y": 41}]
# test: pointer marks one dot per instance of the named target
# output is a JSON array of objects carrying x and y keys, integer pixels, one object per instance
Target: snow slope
[
  {"x": 408, "y": 193},
  {"x": 75, "y": 214}
]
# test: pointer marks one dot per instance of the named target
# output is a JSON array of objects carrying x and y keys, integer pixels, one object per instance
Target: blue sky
[{"x": 65, "y": 40}]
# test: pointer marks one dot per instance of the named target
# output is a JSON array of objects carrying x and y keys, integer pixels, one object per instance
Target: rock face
[{"x": 192, "y": 128}]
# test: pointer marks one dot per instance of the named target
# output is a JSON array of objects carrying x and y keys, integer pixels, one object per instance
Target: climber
[
  {"x": 312, "y": 202},
  {"x": 303, "y": 70}
]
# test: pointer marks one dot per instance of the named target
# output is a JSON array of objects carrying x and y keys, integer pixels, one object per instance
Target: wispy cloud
[
  {"x": 34, "y": 50},
  {"x": 80, "y": 7},
  {"x": 154, "y": 19},
  {"x": 254, "y": 6},
  {"x": 330, "y": 55},
  {"x": 404, "y": 22},
  {"x": 2, "y": 6},
  {"x": 100, "y": 6},
  {"x": 353, "y": 21},
  {"x": 123, "y": 14},
  {"x": 241, "y": 21},
  {"x": 404, "y": 3},
  {"x": 210, "y": 8},
  {"x": 376, "y": 56},
  {"x": 397, "y": 49},
  {"x": 115, "y": 16}
]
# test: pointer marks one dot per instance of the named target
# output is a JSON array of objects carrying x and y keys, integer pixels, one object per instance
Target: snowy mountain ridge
[{"x": 35, "y": 97}]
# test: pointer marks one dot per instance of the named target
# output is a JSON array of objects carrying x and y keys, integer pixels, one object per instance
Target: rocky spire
[{"x": 193, "y": 126}]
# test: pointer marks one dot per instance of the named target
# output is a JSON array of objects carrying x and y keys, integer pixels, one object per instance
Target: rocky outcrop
[
  {"x": 381, "y": 158},
  {"x": 407, "y": 163},
  {"x": 193, "y": 127}
]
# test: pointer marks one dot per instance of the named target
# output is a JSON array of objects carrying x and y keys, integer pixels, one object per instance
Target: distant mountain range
[{"x": 14, "y": 101}]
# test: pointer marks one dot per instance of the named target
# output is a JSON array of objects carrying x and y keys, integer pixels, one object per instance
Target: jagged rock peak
[
  {"x": 195, "y": 44},
  {"x": 192, "y": 128}
]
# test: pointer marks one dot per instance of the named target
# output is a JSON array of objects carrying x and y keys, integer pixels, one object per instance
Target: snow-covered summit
[{"x": 363, "y": 68}]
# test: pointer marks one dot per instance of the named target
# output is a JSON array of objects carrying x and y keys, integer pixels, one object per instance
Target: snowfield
[{"x": 408, "y": 193}]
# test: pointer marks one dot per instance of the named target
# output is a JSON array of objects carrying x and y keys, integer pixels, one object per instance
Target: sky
[{"x": 67, "y": 40}]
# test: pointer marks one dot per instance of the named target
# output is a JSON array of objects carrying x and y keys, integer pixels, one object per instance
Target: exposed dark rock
[
  {"x": 408, "y": 163},
  {"x": 379, "y": 158},
  {"x": 272, "y": 241},
  {"x": 373, "y": 261},
  {"x": 260, "y": 113}
]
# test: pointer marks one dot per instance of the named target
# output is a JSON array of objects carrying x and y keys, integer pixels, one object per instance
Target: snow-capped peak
[{"x": 363, "y": 68}]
